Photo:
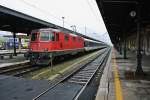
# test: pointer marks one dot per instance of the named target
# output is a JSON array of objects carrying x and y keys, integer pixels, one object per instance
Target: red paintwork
[{"x": 62, "y": 44}]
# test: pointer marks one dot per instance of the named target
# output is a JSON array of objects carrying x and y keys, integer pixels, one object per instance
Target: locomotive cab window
[
  {"x": 33, "y": 36},
  {"x": 44, "y": 36},
  {"x": 47, "y": 36}
]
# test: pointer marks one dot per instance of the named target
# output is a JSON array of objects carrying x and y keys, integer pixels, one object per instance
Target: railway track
[
  {"x": 18, "y": 69},
  {"x": 75, "y": 82}
]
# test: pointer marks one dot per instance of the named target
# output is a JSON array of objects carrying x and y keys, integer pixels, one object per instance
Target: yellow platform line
[{"x": 118, "y": 88}]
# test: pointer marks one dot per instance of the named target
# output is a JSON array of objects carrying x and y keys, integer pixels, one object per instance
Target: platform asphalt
[{"x": 15, "y": 60}]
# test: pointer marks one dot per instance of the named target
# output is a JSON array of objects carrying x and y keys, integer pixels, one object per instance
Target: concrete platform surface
[
  {"x": 15, "y": 60},
  {"x": 12, "y": 51},
  {"x": 121, "y": 82}
]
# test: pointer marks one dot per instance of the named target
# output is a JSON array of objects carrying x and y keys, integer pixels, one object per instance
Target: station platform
[
  {"x": 19, "y": 59},
  {"x": 120, "y": 82},
  {"x": 21, "y": 51}
]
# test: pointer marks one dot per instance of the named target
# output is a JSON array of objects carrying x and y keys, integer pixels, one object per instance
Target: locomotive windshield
[
  {"x": 47, "y": 36},
  {"x": 33, "y": 36}
]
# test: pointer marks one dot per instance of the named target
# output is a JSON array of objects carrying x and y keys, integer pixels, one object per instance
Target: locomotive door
[
  {"x": 57, "y": 40},
  {"x": 66, "y": 41}
]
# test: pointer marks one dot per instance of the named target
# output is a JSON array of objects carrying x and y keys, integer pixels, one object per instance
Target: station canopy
[
  {"x": 14, "y": 21},
  {"x": 18, "y": 22},
  {"x": 121, "y": 16}
]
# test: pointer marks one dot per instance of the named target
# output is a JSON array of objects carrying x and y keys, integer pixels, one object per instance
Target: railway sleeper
[
  {"x": 89, "y": 69},
  {"x": 81, "y": 77},
  {"x": 83, "y": 74},
  {"x": 85, "y": 77},
  {"x": 77, "y": 82},
  {"x": 90, "y": 73}
]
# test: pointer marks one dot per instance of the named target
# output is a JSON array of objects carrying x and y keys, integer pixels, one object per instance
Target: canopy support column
[
  {"x": 14, "y": 36},
  {"x": 139, "y": 69},
  {"x": 120, "y": 47},
  {"x": 19, "y": 44},
  {"x": 125, "y": 47}
]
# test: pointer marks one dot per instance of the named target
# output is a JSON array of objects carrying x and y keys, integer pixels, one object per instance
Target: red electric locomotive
[{"x": 47, "y": 43}]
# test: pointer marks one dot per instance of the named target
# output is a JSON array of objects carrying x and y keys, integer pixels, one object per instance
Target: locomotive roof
[
  {"x": 73, "y": 34},
  {"x": 51, "y": 29},
  {"x": 46, "y": 29},
  {"x": 58, "y": 30}
]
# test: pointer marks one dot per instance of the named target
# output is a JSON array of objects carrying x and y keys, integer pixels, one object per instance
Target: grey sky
[{"x": 78, "y": 12}]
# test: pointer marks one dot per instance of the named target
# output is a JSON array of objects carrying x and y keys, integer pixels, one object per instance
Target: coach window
[
  {"x": 74, "y": 39},
  {"x": 57, "y": 37},
  {"x": 66, "y": 37},
  {"x": 33, "y": 36}
]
